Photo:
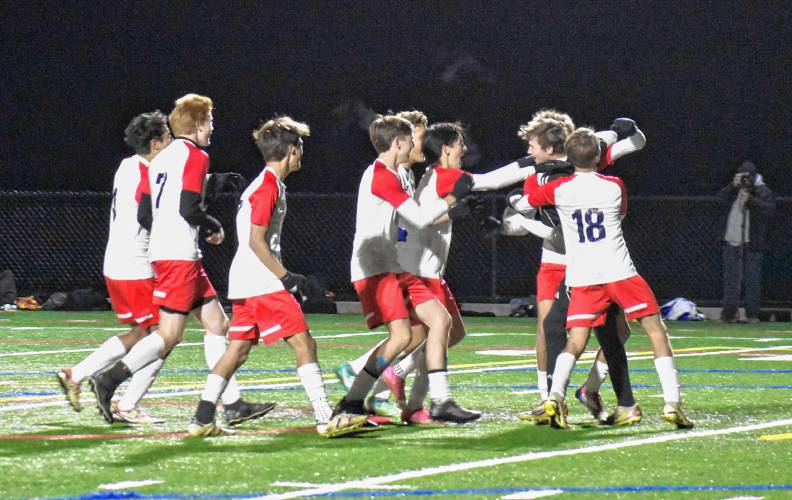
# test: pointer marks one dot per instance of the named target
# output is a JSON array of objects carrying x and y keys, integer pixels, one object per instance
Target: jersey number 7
[
  {"x": 162, "y": 178},
  {"x": 589, "y": 224}
]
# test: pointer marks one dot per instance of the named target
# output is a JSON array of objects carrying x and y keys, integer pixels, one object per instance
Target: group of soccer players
[{"x": 155, "y": 277}]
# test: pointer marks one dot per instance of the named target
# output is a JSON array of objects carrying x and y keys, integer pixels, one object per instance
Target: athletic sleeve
[
  {"x": 623, "y": 208},
  {"x": 635, "y": 142},
  {"x": 544, "y": 195},
  {"x": 386, "y": 185},
  {"x": 446, "y": 178},
  {"x": 501, "y": 177},
  {"x": 193, "y": 178},
  {"x": 422, "y": 215},
  {"x": 143, "y": 198},
  {"x": 262, "y": 202}
]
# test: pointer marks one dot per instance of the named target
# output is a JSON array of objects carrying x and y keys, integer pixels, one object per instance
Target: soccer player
[
  {"x": 261, "y": 288},
  {"x": 379, "y": 280},
  {"x": 177, "y": 177},
  {"x": 600, "y": 271},
  {"x": 128, "y": 274}
]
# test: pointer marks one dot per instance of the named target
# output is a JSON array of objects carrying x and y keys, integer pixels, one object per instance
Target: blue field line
[
  {"x": 113, "y": 495},
  {"x": 17, "y": 394},
  {"x": 517, "y": 370}
]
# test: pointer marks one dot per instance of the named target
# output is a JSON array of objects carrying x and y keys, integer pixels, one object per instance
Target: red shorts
[
  {"x": 181, "y": 285},
  {"x": 382, "y": 296},
  {"x": 271, "y": 317},
  {"x": 132, "y": 301},
  {"x": 441, "y": 292},
  {"x": 548, "y": 279},
  {"x": 588, "y": 303}
]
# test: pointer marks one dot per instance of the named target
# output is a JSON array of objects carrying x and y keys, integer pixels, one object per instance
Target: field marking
[
  {"x": 123, "y": 485},
  {"x": 298, "y": 484},
  {"x": 776, "y": 437},
  {"x": 525, "y": 457},
  {"x": 784, "y": 357},
  {"x": 67, "y": 351},
  {"x": 137, "y": 435},
  {"x": 529, "y": 495}
]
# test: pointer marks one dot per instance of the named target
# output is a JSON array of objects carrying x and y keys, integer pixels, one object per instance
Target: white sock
[
  {"x": 214, "y": 348},
  {"x": 565, "y": 363},
  {"x": 360, "y": 362},
  {"x": 381, "y": 390},
  {"x": 438, "y": 387},
  {"x": 361, "y": 386},
  {"x": 139, "y": 385},
  {"x": 144, "y": 352},
  {"x": 420, "y": 387},
  {"x": 596, "y": 376},
  {"x": 215, "y": 384},
  {"x": 311, "y": 379},
  {"x": 541, "y": 383},
  {"x": 668, "y": 379},
  {"x": 108, "y": 353},
  {"x": 407, "y": 365}
]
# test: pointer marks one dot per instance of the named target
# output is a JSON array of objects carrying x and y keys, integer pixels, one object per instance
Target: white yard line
[
  {"x": 525, "y": 457},
  {"x": 297, "y": 484},
  {"x": 65, "y": 351},
  {"x": 129, "y": 484}
]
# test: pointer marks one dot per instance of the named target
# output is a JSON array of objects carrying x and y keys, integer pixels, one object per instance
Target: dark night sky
[{"x": 708, "y": 82}]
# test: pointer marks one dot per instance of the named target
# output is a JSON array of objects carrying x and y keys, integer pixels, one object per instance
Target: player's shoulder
[{"x": 611, "y": 178}]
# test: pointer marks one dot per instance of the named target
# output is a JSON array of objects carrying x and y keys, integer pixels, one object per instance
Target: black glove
[
  {"x": 462, "y": 186},
  {"x": 526, "y": 161},
  {"x": 624, "y": 127},
  {"x": 466, "y": 206},
  {"x": 490, "y": 226},
  {"x": 293, "y": 282},
  {"x": 226, "y": 182}
]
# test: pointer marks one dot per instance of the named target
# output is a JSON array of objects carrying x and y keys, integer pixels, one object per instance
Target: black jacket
[{"x": 761, "y": 205}]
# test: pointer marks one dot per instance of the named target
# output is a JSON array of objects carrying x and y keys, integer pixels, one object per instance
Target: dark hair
[
  {"x": 385, "y": 129},
  {"x": 274, "y": 137},
  {"x": 143, "y": 128},
  {"x": 437, "y": 136}
]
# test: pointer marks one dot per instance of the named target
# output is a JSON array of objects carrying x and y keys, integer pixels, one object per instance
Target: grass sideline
[{"x": 737, "y": 382}]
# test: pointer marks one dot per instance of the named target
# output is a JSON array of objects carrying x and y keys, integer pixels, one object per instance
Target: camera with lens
[{"x": 747, "y": 180}]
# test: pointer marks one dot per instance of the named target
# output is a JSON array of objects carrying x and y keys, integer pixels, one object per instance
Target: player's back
[
  {"x": 591, "y": 207},
  {"x": 264, "y": 203},
  {"x": 374, "y": 247},
  {"x": 126, "y": 256},
  {"x": 180, "y": 166}
]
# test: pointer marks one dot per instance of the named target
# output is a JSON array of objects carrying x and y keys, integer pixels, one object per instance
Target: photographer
[{"x": 748, "y": 207}]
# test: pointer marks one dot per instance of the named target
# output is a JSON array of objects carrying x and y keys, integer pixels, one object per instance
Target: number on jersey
[
  {"x": 589, "y": 224},
  {"x": 162, "y": 178}
]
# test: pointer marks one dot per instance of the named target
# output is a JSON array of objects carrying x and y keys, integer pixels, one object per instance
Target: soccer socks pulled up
[
  {"x": 438, "y": 386},
  {"x": 668, "y": 379},
  {"x": 408, "y": 364},
  {"x": 108, "y": 353},
  {"x": 207, "y": 406},
  {"x": 214, "y": 348},
  {"x": 565, "y": 363},
  {"x": 144, "y": 352},
  {"x": 139, "y": 385},
  {"x": 420, "y": 387},
  {"x": 311, "y": 378},
  {"x": 597, "y": 375},
  {"x": 541, "y": 383}
]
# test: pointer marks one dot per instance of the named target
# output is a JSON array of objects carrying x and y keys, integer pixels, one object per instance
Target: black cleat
[
  {"x": 104, "y": 394},
  {"x": 246, "y": 411},
  {"x": 350, "y": 407},
  {"x": 449, "y": 411}
]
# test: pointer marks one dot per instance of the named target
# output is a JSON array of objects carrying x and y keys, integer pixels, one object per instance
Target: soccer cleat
[
  {"x": 625, "y": 415},
  {"x": 350, "y": 407},
  {"x": 593, "y": 402},
  {"x": 345, "y": 375},
  {"x": 449, "y": 411},
  {"x": 396, "y": 386},
  {"x": 384, "y": 408},
  {"x": 104, "y": 395},
  {"x": 135, "y": 416},
  {"x": 70, "y": 388},
  {"x": 341, "y": 425},
  {"x": 537, "y": 414},
  {"x": 673, "y": 414},
  {"x": 197, "y": 429},
  {"x": 245, "y": 412},
  {"x": 554, "y": 407},
  {"x": 417, "y": 417}
]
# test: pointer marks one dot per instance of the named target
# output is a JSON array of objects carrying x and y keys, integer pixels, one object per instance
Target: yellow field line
[{"x": 776, "y": 437}]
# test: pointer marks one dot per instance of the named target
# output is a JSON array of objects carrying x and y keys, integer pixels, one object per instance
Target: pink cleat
[
  {"x": 396, "y": 386},
  {"x": 417, "y": 417}
]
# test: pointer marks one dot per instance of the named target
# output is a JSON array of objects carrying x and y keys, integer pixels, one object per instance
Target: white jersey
[
  {"x": 591, "y": 207},
  {"x": 263, "y": 203},
  {"x": 126, "y": 256},
  {"x": 381, "y": 196},
  {"x": 182, "y": 166}
]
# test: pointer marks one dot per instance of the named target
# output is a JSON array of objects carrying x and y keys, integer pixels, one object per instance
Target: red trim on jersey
[
  {"x": 545, "y": 194},
  {"x": 264, "y": 199},
  {"x": 605, "y": 160},
  {"x": 446, "y": 178},
  {"x": 195, "y": 169},
  {"x": 143, "y": 186},
  {"x": 620, "y": 183},
  {"x": 385, "y": 184},
  {"x": 531, "y": 184}
]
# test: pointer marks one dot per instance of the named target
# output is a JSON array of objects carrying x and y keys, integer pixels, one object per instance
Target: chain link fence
[{"x": 55, "y": 242}]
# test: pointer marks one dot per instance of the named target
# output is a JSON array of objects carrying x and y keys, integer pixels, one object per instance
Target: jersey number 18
[{"x": 589, "y": 224}]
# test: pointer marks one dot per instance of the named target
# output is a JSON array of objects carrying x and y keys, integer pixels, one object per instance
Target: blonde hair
[
  {"x": 190, "y": 111},
  {"x": 550, "y": 128},
  {"x": 417, "y": 118},
  {"x": 274, "y": 137}
]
